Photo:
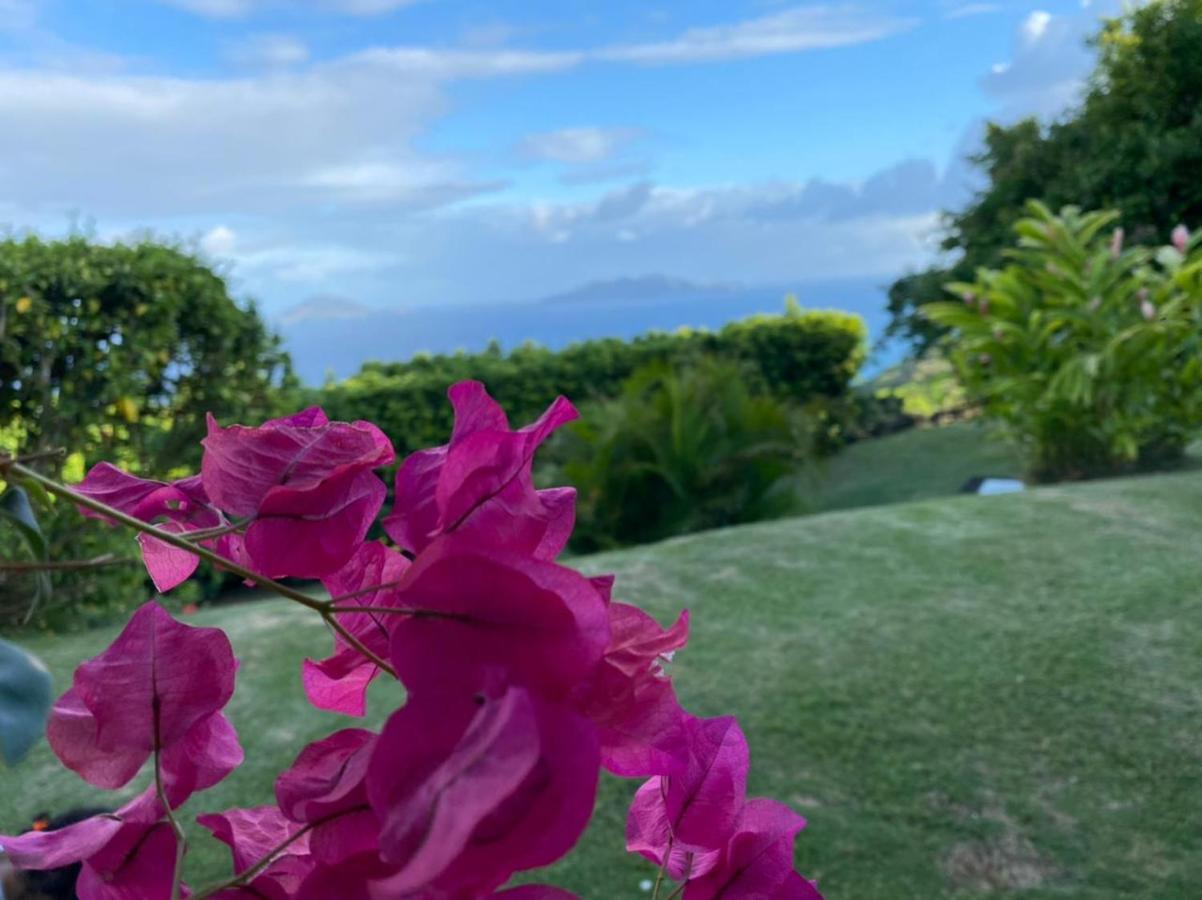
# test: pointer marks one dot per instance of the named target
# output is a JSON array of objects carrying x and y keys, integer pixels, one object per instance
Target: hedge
[{"x": 800, "y": 356}]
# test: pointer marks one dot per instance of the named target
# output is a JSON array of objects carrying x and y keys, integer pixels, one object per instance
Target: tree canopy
[{"x": 1133, "y": 144}]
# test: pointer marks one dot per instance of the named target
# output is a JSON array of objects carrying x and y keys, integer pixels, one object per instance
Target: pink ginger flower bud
[
  {"x": 1147, "y": 309},
  {"x": 969, "y": 298},
  {"x": 1180, "y": 238},
  {"x": 1116, "y": 243}
]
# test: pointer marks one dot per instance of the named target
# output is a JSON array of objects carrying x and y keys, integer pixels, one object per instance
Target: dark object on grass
[{"x": 51, "y": 884}]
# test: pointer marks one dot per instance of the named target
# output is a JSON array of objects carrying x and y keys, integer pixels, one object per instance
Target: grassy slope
[
  {"x": 914, "y": 465},
  {"x": 961, "y": 695}
]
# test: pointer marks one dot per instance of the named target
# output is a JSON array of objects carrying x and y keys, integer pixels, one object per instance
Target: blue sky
[{"x": 427, "y": 152}]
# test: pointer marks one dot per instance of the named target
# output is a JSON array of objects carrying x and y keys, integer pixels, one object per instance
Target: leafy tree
[
  {"x": 1134, "y": 144},
  {"x": 116, "y": 350}
]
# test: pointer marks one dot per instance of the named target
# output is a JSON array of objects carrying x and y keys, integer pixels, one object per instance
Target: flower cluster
[{"x": 523, "y": 679}]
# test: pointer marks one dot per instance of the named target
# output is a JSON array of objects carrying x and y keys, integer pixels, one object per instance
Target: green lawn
[
  {"x": 916, "y": 464},
  {"x": 964, "y": 696}
]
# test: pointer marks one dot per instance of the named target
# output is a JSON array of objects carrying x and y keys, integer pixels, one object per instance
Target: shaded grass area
[
  {"x": 915, "y": 464},
  {"x": 964, "y": 696}
]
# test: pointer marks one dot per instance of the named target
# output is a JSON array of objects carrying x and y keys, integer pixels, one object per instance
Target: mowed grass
[
  {"x": 915, "y": 464},
  {"x": 968, "y": 696}
]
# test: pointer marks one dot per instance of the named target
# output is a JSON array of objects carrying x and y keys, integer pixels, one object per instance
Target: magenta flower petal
[
  {"x": 168, "y": 566},
  {"x": 54, "y": 849},
  {"x": 327, "y": 776},
  {"x": 758, "y": 860},
  {"x": 306, "y": 483},
  {"x": 480, "y": 482},
  {"x": 143, "y": 869},
  {"x": 118, "y": 489},
  {"x": 640, "y": 723},
  {"x": 179, "y": 507},
  {"x": 632, "y": 701},
  {"x": 697, "y": 807},
  {"x": 347, "y": 835},
  {"x": 106, "y": 725},
  {"x": 430, "y": 796},
  {"x": 253, "y": 833},
  {"x": 339, "y": 682},
  {"x": 206, "y": 755},
  {"x": 314, "y": 532},
  {"x": 241, "y": 465},
  {"x": 502, "y": 782},
  {"x": 546, "y": 625}
]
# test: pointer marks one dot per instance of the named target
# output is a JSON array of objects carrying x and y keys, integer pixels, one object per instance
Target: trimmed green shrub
[
  {"x": 680, "y": 450},
  {"x": 1089, "y": 353},
  {"x": 800, "y": 356},
  {"x": 116, "y": 351}
]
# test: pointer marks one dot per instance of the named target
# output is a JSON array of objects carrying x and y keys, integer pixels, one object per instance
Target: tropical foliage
[
  {"x": 1089, "y": 351},
  {"x": 682, "y": 450}
]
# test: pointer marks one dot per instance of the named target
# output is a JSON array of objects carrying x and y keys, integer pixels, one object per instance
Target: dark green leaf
[{"x": 25, "y": 697}]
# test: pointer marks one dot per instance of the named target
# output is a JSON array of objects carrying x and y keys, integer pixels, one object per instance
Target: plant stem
[
  {"x": 663, "y": 870},
  {"x": 96, "y": 562},
  {"x": 242, "y": 878},
  {"x": 370, "y": 589},
  {"x": 175, "y": 540},
  {"x": 181, "y": 839}
]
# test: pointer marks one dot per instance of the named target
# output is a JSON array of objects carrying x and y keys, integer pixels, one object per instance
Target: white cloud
[
  {"x": 790, "y": 31},
  {"x": 1035, "y": 26},
  {"x": 965, "y": 10},
  {"x": 577, "y": 145},
  {"x": 239, "y": 9},
  {"x": 269, "y": 51},
  {"x": 451, "y": 64},
  {"x": 219, "y": 241},
  {"x": 1048, "y": 63}
]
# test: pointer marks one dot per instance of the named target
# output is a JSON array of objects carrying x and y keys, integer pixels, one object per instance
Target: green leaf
[
  {"x": 25, "y": 697},
  {"x": 15, "y": 507}
]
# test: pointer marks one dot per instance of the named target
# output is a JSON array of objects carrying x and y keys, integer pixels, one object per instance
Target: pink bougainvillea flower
[
  {"x": 252, "y": 835},
  {"x": 156, "y": 683},
  {"x": 128, "y": 853},
  {"x": 180, "y": 507},
  {"x": 327, "y": 777},
  {"x": 757, "y": 863},
  {"x": 480, "y": 483},
  {"x": 544, "y": 624},
  {"x": 339, "y": 682},
  {"x": 304, "y": 482},
  {"x": 694, "y": 810},
  {"x": 630, "y": 698},
  {"x": 157, "y": 690},
  {"x": 501, "y": 782}
]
